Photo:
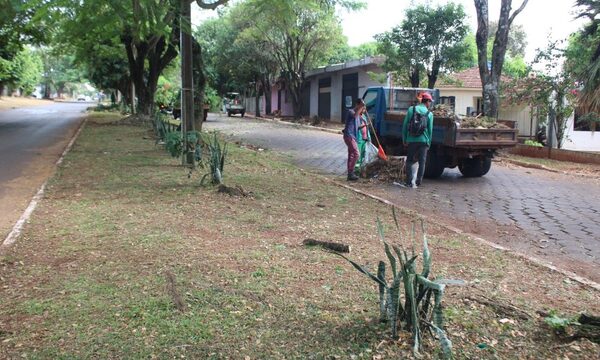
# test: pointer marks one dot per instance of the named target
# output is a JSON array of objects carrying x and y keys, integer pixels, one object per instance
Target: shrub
[
  {"x": 533, "y": 143},
  {"x": 412, "y": 308}
]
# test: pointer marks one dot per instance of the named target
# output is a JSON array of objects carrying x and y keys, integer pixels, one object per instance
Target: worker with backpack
[{"x": 417, "y": 131}]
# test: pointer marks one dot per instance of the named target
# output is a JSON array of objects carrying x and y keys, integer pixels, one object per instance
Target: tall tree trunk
[
  {"x": 266, "y": 85},
  {"x": 256, "y": 97},
  {"x": 433, "y": 75},
  {"x": 146, "y": 63},
  {"x": 294, "y": 84},
  {"x": 415, "y": 77},
  {"x": 491, "y": 74},
  {"x": 199, "y": 84}
]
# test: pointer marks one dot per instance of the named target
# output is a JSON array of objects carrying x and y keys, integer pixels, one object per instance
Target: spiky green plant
[
  {"x": 417, "y": 311},
  {"x": 217, "y": 154},
  {"x": 173, "y": 143}
]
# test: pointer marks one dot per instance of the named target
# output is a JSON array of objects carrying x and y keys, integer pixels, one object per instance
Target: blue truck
[{"x": 471, "y": 149}]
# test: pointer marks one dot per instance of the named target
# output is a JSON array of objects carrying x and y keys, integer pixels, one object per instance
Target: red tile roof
[{"x": 468, "y": 78}]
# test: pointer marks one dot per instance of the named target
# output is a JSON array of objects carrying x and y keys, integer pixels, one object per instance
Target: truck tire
[
  {"x": 434, "y": 167},
  {"x": 475, "y": 167}
]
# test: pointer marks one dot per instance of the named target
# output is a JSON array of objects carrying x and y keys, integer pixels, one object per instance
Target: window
[
  {"x": 586, "y": 122},
  {"x": 370, "y": 98},
  {"x": 479, "y": 106},
  {"x": 449, "y": 100}
]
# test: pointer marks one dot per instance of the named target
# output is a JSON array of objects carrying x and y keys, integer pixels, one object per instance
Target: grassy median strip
[{"x": 127, "y": 257}]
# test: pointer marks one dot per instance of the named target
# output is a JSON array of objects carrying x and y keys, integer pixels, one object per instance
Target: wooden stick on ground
[
  {"x": 172, "y": 291},
  {"x": 501, "y": 307},
  {"x": 328, "y": 245}
]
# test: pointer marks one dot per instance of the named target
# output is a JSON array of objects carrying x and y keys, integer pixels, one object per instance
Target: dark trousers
[{"x": 416, "y": 152}]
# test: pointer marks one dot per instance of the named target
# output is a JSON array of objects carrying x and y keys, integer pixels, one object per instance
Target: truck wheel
[
  {"x": 475, "y": 167},
  {"x": 434, "y": 167},
  {"x": 243, "y": 114},
  {"x": 229, "y": 114}
]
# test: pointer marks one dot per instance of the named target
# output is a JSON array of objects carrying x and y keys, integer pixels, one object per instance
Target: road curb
[
  {"x": 18, "y": 227},
  {"x": 304, "y": 126},
  {"x": 531, "y": 166},
  {"x": 530, "y": 259}
]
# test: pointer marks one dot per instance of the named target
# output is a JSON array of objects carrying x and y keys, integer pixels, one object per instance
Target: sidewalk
[{"x": 128, "y": 258}]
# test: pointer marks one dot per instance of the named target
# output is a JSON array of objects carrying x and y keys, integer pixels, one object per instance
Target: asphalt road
[
  {"x": 31, "y": 140},
  {"x": 551, "y": 216}
]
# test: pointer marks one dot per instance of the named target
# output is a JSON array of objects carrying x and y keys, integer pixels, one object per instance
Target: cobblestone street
[{"x": 548, "y": 215}]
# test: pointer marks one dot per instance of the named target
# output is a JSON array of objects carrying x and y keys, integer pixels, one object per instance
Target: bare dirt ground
[
  {"x": 16, "y": 193},
  {"x": 18, "y": 102},
  {"x": 87, "y": 278}
]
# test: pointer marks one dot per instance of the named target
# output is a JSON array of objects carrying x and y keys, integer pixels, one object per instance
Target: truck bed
[{"x": 449, "y": 133}]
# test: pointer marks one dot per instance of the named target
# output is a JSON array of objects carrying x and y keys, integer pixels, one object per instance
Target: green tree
[
  {"x": 585, "y": 57},
  {"x": 344, "y": 52},
  {"x": 16, "y": 30},
  {"x": 490, "y": 69},
  {"x": 27, "y": 67},
  {"x": 298, "y": 34},
  {"x": 517, "y": 39},
  {"x": 148, "y": 32},
  {"x": 550, "y": 91},
  {"x": 430, "y": 40}
]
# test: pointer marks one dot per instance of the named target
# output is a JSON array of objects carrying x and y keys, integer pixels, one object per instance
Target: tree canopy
[
  {"x": 430, "y": 40},
  {"x": 584, "y": 56}
]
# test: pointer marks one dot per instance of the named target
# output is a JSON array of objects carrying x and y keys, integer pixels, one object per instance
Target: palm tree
[{"x": 589, "y": 98}]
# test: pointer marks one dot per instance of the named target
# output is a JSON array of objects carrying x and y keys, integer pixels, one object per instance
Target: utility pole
[{"x": 187, "y": 83}]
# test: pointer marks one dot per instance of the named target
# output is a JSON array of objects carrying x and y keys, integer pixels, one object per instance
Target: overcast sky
[{"x": 541, "y": 19}]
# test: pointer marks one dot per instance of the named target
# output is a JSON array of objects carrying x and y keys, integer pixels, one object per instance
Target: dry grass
[
  {"x": 8, "y": 102},
  {"x": 87, "y": 278}
]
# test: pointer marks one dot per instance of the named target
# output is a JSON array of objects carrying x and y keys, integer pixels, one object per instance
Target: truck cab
[{"x": 471, "y": 149}]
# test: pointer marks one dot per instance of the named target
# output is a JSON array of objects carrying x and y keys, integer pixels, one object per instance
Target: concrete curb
[
  {"x": 533, "y": 260},
  {"x": 545, "y": 168},
  {"x": 16, "y": 230},
  {"x": 531, "y": 166},
  {"x": 304, "y": 126}
]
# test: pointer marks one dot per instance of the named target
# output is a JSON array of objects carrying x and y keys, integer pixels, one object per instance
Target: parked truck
[{"x": 471, "y": 149}]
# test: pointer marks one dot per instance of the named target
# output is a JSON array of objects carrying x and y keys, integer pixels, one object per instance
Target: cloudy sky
[{"x": 541, "y": 19}]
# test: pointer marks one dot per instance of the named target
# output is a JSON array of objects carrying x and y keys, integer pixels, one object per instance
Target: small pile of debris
[
  {"x": 388, "y": 171},
  {"x": 443, "y": 110},
  {"x": 481, "y": 122}
]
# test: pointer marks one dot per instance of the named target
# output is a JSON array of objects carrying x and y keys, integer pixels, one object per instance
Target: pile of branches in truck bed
[
  {"x": 388, "y": 171},
  {"x": 481, "y": 122},
  {"x": 443, "y": 110}
]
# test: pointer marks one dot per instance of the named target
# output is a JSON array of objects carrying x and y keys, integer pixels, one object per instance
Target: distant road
[{"x": 31, "y": 140}]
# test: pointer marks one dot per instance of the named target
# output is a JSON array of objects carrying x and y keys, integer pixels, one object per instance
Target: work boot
[{"x": 352, "y": 177}]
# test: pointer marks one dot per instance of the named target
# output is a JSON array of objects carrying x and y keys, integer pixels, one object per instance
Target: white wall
[
  {"x": 314, "y": 97},
  {"x": 581, "y": 140},
  {"x": 522, "y": 115},
  {"x": 464, "y": 98}
]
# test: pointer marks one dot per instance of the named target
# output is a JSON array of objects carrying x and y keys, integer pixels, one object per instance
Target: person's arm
[
  {"x": 430, "y": 128},
  {"x": 405, "y": 124}
]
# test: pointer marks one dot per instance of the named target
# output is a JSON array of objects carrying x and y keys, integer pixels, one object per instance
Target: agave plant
[
  {"x": 412, "y": 308},
  {"x": 217, "y": 154}
]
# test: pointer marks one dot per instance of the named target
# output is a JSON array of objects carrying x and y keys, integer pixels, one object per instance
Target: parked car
[{"x": 234, "y": 104}]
